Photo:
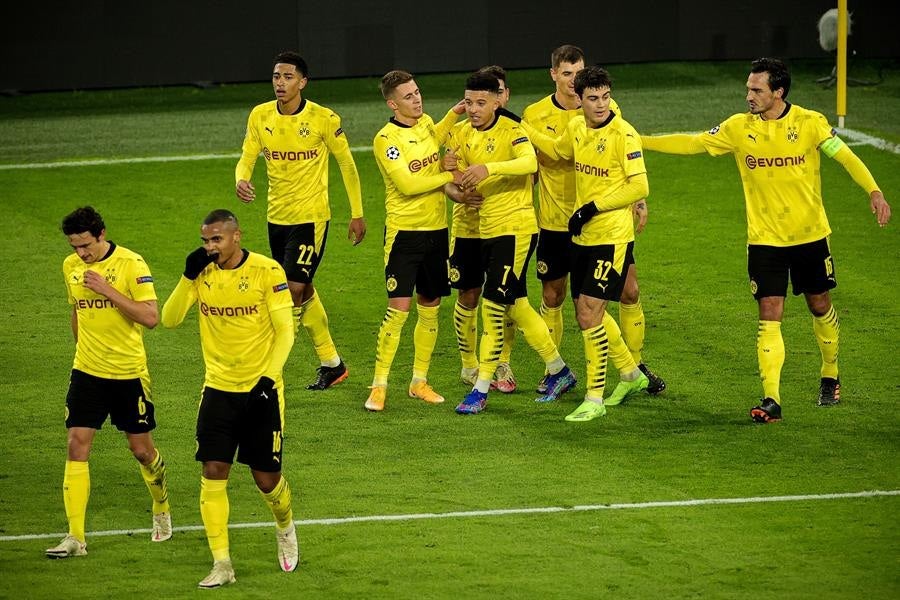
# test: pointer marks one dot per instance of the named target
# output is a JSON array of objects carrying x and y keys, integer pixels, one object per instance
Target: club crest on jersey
[
  {"x": 303, "y": 131},
  {"x": 490, "y": 146},
  {"x": 393, "y": 153},
  {"x": 111, "y": 276},
  {"x": 601, "y": 146},
  {"x": 243, "y": 285},
  {"x": 792, "y": 134}
]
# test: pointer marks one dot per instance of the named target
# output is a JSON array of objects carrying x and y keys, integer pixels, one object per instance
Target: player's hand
[
  {"x": 639, "y": 212},
  {"x": 880, "y": 208},
  {"x": 449, "y": 160},
  {"x": 357, "y": 230},
  {"x": 244, "y": 190},
  {"x": 474, "y": 175},
  {"x": 472, "y": 198},
  {"x": 459, "y": 108},
  {"x": 196, "y": 261},
  {"x": 97, "y": 283},
  {"x": 263, "y": 391},
  {"x": 581, "y": 216}
]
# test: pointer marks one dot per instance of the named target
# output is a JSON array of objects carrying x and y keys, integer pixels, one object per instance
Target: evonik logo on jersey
[
  {"x": 591, "y": 170},
  {"x": 417, "y": 165},
  {"x": 227, "y": 311},
  {"x": 291, "y": 154},
  {"x": 753, "y": 162},
  {"x": 94, "y": 303}
]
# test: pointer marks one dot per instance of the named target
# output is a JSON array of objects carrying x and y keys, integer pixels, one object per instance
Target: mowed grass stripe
[
  {"x": 499, "y": 512},
  {"x": 856, "y": 138}
]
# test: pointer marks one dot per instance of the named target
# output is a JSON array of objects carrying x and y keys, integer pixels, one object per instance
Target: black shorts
[
  {"x": 465, "y": 264},
  {"x": 600, "y": 271},
  {"x": 227, "y": 422},
  {"x": 299, "y": 248},
  {"x": 554, "y": 254},
  {"x": 417, "y": 259},
  {"x": 505, "y": 263},
  {"x": 810, "y": 267},
  {"x": 126, "y": 401}
]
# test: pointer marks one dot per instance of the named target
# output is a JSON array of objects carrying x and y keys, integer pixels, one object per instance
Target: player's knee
[
  {"x": 553, "y": 296},
  {"x": 630, "y": 294}
]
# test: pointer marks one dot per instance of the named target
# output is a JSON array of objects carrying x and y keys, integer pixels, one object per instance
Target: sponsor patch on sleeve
[
  {"x": 519, "y": 140},
  {"x": 145, "y": 279},
  {"x": 393, "y": 153},
  {"x": 339, "y": 131},
  {"x": 280, "y": 287},
  {"x": 714, "y": 130},
  {"x": 633, "y": 155}
]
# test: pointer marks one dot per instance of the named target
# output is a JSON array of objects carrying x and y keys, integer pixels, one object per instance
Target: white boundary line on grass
[
  {"x": 856, "y": 138},
  {"x": 497, "y": 512}
]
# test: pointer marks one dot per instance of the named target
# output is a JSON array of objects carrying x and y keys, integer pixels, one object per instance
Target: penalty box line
[{"x": 497, "y": 513}]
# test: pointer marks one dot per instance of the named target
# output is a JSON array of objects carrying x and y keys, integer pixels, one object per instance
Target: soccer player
[
  {"x": 498, "y": 160},
  {"x": 777, "y": 147},
  {"x": 246, "y": 333},
  {"x": 296, "y": 137},
  {"x": 610, "y": 177},
  {"x": 466, "y": 275},
  {"x": 556, "y": 203},
  {"x": 407, "y": 151},
  {"x": 111, "y": 292}
]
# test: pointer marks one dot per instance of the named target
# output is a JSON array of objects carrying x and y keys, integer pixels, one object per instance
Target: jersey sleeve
[
  {"x": 249, "y": 151},
  {"x": 337, "y": 144},
  {"x": 632, "y": 154},
  {"x": 140, "y": 282},
  {"x": 525, "y": 161},
  {"x": 391, "y": 160},
  {"x": 718, "y": 140},
  {"x": 180, "y": 301},
  {"x": 442, "y": 128}
]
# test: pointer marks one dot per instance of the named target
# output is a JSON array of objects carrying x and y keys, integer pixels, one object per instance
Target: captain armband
[{"x": 831, "y": 146}]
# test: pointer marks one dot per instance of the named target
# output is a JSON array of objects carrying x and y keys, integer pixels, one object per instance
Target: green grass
[{"x": 695, "y": 442}]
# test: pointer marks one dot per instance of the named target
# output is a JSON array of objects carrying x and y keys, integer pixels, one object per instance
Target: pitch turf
[{"x": 695, "y": 442}]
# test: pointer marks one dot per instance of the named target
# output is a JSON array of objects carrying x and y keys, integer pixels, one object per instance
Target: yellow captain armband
[{"x": 831, "y": 146}]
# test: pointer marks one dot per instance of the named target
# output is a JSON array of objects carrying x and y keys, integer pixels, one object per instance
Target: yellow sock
[
  {"x": 631, "y": 322},
  {"x": 553, "y": 317},
  {"x": 214, "y": 511},
  {"x": 509, "y": 336},
  {"x": 154, "y": 476},
  {"x": 465, "y": 323},
  {"x": 619, "y": 354},
  {"x": 315, "y": 321},
  {"x": 279, "y": 501},
  {"x": 770, "y": 351},
  {"x": 828, "y": 330},
  {"x": 297, "y": 311},
  {"x": 388, "y": 340},
  {"x": 424, "y": 338},
  {"x": 76, "y": 491},
  {"x": 492, "y": 317},
  {"x": 596, "y": 349},
  {"x": 535, "y": 330}
]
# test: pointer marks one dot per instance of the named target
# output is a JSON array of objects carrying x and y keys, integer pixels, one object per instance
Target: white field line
[
  {"x": 497, "y": 513},
  {"x": 854, "y": 138}
]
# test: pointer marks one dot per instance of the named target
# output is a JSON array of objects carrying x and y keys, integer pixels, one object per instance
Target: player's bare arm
[{"x": 143, "y": 312}]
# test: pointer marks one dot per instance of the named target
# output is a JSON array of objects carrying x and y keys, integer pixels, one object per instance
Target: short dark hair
[
  {"x": 392, "y": 80},
  {"x": 83, "y": 219},
  {"x": 779, "y": 77},
  {"x": 592, "y": 77},
  {"x": 220, "y": 215},
  {"x": 480, "y": 81},
  {"x": 292, "y": 58},
  {"x": 495, "y": 70},
  {"x": 566, "y": 53}
]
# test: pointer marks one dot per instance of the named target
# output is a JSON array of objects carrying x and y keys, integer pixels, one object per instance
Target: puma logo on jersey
[
  {"x": 553, "y": 129},
  {"x": 271, "y": 131},
  {"x": 751, "y": 136}
]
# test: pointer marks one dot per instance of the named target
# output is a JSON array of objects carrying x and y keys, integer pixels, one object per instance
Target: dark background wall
[{"x": 60, "y": 45}]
